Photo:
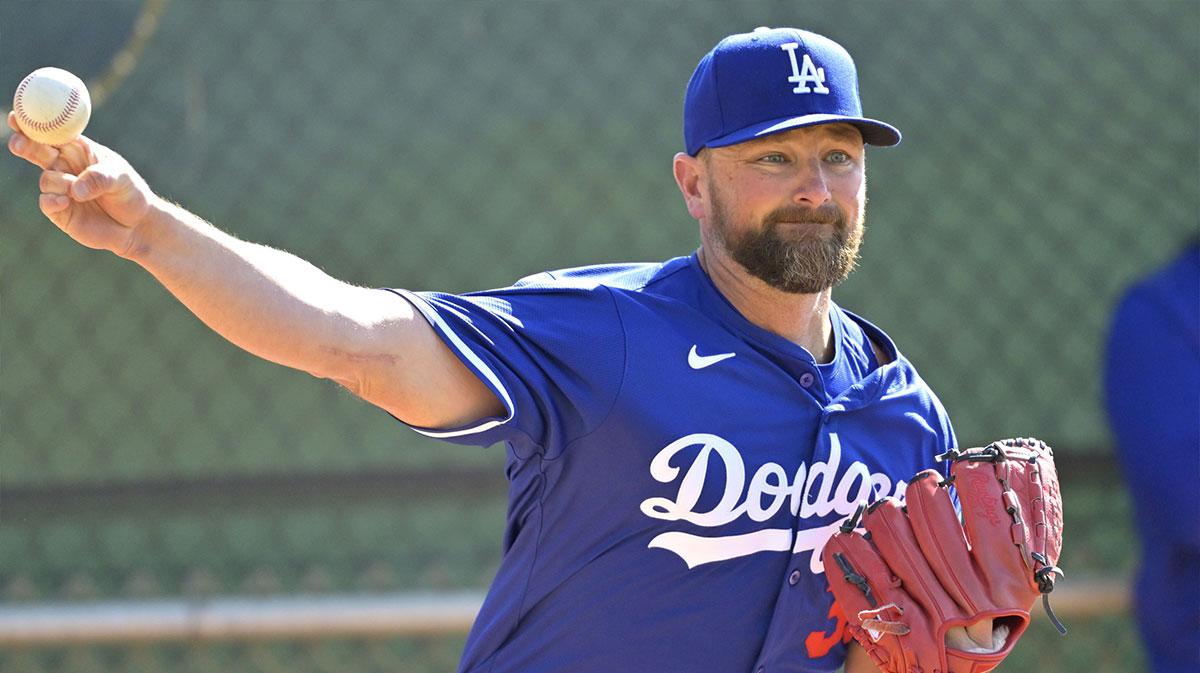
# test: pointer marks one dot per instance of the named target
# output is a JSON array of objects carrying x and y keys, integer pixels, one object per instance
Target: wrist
[{"x": 158, "y": 217}]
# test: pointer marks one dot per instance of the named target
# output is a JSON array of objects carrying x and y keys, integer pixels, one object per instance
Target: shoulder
[
  {"x": 1169, "y": 294},
  {"x": 563, "y": 301},
  {"x": 1173, "y": 288},
  {"x": 900, "y": 384},
  {"x": 575, "y": 293},
  {"x": 636, "y": 276}
]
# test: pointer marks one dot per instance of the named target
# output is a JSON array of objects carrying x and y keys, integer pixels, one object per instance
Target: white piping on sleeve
[{"x": 476, "y": 362}]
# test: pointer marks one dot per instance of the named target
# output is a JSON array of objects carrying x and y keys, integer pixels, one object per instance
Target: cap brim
[{"x": 873, "y": 132}]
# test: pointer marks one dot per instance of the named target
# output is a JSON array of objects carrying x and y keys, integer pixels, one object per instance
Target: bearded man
[{"x": 682, "y": 437}]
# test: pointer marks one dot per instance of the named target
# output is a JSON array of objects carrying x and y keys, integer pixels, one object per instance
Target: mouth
[{"x": 804, "y": 224}]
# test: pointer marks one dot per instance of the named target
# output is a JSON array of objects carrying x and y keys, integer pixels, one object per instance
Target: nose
[{"x": 811, "y": 189}]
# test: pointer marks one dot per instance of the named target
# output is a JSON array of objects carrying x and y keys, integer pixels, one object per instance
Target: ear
[{"x": 689, "y": 175}]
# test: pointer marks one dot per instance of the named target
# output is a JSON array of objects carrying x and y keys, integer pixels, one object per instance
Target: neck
[{"x": 802, "y": 319}]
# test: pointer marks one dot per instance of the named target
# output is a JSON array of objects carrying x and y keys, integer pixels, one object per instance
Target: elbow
[
  {"x": 347, "y": 369},
  {"x": 355, "y": 385},
  {"x": 361, "y": 374}
]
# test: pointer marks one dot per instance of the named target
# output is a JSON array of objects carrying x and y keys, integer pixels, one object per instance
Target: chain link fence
[{"x": 1050, "y": 156}]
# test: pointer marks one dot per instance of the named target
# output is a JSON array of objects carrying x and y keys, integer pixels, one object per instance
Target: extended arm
[{"x": 264, "y": 300}]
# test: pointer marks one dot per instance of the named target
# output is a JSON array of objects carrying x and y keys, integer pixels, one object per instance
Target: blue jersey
[
  {"x": 1152, "y": 380},
  {"x": 675, "y": 470}
]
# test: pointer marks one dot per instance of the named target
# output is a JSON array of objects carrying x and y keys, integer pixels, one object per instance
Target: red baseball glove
[{"x": 918, "y": 576}]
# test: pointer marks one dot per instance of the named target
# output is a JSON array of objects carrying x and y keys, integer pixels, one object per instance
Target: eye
[
  {"x": 773, "y": 158},
  {"x": 838, "y": 157}
]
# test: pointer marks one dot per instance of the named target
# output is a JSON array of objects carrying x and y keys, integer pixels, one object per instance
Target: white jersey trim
[{"x": 474, "y": 360}]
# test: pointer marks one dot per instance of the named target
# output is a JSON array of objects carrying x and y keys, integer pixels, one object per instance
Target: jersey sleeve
[{"x": 554, "y": 356}]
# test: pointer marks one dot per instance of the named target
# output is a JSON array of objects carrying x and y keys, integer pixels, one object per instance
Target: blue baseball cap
[{"x": 772, "y": 80}]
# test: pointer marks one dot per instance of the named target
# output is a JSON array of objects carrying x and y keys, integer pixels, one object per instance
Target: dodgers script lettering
[{"x": 814, "y": 491}]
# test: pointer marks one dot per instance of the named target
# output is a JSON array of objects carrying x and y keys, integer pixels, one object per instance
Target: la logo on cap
[{"x": 805, "y": 73}]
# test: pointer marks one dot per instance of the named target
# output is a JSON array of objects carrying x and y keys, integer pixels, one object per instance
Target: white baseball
[{"x": 52, "y": 106}]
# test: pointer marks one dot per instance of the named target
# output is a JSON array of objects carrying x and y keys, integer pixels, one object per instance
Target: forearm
[{"x": 266, "y": 301}]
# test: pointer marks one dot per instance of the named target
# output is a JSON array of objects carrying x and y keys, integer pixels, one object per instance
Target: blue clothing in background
[{"x": 1152, "y": 381}]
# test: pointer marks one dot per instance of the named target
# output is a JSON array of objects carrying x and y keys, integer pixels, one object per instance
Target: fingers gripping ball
[
  {"x": 918, "y": 575},
  {"x": 52, "y": 106}
]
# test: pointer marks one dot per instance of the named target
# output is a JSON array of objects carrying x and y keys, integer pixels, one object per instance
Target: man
[{"x": 681, "y": 437}]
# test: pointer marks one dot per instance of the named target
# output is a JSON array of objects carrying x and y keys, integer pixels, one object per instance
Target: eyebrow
[{"x": 842, "y": 130}]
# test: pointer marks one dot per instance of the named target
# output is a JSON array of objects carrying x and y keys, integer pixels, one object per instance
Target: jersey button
[
  {"x": 794, "y": 577},
  {"x": 806, "y": 379}
]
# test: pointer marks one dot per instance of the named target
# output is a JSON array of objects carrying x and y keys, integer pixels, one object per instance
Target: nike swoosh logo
[{"x": 697, "y": 361}]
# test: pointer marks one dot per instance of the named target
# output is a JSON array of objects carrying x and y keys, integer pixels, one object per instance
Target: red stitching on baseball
[{"x": 57, "y": 122}]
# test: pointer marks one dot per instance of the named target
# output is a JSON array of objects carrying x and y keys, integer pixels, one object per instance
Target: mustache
[{"x": 827, "y": 214}]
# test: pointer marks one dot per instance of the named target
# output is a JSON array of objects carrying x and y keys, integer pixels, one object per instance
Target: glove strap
[
  {"x": 851, "y": 576},
  {"x": 850, "y": 524},
  {"x": 1045, "y": 580}
]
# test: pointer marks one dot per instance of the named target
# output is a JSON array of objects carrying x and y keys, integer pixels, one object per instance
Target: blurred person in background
[{"x": 1152, "y": 390}]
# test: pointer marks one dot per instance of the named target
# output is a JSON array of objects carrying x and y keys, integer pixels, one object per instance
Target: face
[{"x": 789, "y": 208}]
